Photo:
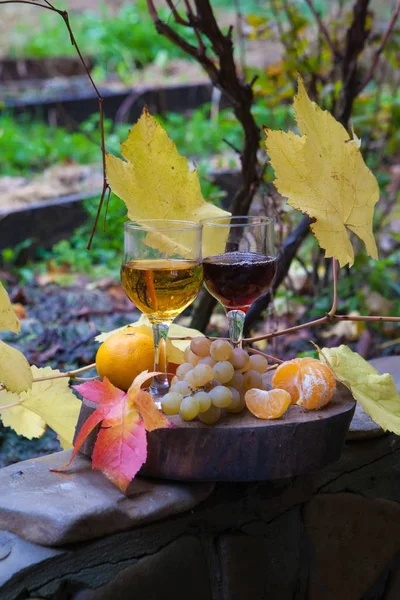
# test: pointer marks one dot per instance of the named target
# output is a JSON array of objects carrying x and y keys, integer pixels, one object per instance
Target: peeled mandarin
[
  {"x": 309, "y": 381},
  {"x": 267, "y": 404}
]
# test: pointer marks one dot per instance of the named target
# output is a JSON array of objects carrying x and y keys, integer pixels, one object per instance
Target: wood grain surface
[{"x": 244, "y": 448}]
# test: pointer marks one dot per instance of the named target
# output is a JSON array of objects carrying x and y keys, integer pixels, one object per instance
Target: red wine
[{"x": 236, "y": 279}]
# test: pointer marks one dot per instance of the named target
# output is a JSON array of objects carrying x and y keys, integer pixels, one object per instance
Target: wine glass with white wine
[{"x": 161, "y": 274}]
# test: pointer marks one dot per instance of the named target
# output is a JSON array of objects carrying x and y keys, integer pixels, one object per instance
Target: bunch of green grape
[{"x": 215, "y": 376}]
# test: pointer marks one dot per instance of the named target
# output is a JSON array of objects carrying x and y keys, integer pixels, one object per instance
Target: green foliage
[
  {"x": 119, "y": 43},
  {"x": 28, "y": 146}
]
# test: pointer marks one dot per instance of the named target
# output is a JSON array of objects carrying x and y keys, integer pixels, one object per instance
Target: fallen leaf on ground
[{"x": 323, "y": 174}]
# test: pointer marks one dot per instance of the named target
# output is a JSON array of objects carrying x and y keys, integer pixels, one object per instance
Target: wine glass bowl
[
  {"x": 244, "y": 269},
  {"x": 161, "y": 275}
]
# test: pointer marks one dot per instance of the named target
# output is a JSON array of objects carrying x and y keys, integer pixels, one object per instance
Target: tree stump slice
[{"x": 241, "y": 447}]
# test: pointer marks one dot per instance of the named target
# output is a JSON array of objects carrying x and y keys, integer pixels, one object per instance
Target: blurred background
[{"x": 50, "y": 160}]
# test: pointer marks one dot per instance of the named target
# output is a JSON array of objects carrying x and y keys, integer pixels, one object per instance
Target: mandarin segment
[
  {"x": 286, "y": 378},
  {"x": 270, "y": 404},
  {"x": 310, "y": 382}
]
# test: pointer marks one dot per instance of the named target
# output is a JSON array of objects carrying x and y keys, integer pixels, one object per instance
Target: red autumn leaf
[
  {"x": 143, "y": 402},
  {"x": 121, "y": 445},
  {"x": 100, "y": 392}
]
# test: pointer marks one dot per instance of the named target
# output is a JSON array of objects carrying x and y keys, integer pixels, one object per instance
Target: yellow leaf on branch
[
  {"x": 50, "y": 402},
  {"x": 155, "y": 182},
  {"x": 20, "y": 418},
  {"x": 323, "y": 174},
  {"x": 8, "y": 318},
  {"x": 376, "y": 393},
  {"x": 15, "y": 372}
]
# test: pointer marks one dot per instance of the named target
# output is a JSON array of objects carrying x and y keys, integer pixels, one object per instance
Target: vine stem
[
  {"x": 65, "y": 17},
  {"x": 329, "y": 317},
  {"x": 385, "y": 36},
  {"x": 268, "y": 356},
  {"x": 333, "y": 310},
  {"x": 69, "y": 374}
]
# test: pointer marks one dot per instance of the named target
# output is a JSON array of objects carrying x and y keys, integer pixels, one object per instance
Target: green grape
[
  {"x": 251, "y": 379},
  {"x": 211, "y": 416},
  {"x": 221, "y": 396},
  {"x": 202, "y": 374},
  {"x": 200, "y": 346},
  {"x": 182, "y": 387},
  {"x": 207, "y": 360},
  {"x": 189, "y": 408},
  {"x": 238, "y": 402},
  {"x": 204, "y": 400},
  {"x": 183, "y": 369},
  {"x": 190, "y": 379},
  {"x": 223, "y": 371},
  {"x": 236, "y": 381},
  {"x": 171, "y": 403},
  {"x": 220, "y": 350},
  {"x": 258, "y": 363},
  {"x": 239, "y": 359},
  {"x": 190, "y": 356}
]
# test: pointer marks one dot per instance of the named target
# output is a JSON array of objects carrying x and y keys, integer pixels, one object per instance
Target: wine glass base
[{"x": 158, "y": 391}]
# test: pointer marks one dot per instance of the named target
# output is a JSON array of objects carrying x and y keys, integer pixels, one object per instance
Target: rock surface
[
  {"x": 58, "y": 508},
  {"x": 334, "y": 534}
]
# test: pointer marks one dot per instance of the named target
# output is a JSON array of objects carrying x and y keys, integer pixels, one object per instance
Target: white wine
[{"x": 162, "y": 289}]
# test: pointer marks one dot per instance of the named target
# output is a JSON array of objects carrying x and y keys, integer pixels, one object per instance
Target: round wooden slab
[{"x": 244, "y": 448}]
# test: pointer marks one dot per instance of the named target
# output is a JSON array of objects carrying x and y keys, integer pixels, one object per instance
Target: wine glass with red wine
[{"x": 244, "y": 270}]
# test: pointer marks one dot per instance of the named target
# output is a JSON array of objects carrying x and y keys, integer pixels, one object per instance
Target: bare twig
[
  {"x": 269, "y": 336},
  {"x": 333, "y": 310},
  {"x": 268, "y": 356},
  {"x": 221, "y": 69},
  {"x": 322, "y": 27},
  {"x": 69, "y": 374},
  {"x": 176, "y": 15},
  {"x": 375, "y": 60}
]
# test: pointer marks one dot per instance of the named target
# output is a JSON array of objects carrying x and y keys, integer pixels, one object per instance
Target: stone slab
[
  {"x": 388, "y": 364},
  {"x": 362, "y": 426},
  {"x": 57, "y": 508},
  {"x": 17, "y": 555}
]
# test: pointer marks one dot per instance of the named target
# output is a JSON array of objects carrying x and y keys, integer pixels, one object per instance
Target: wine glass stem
[
  {"x": 236, "y": 324},
  {"x": 159, "y": 385}
]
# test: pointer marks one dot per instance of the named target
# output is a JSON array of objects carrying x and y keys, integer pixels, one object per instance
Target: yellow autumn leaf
[
  {"x": 155, "y": 182},
  {"x": 376, "y": 393},
  {"x": 323, "y": 174},
  {"x": 53, "y": 401},
  {"x": 15, "y": 372},
  {"x": 175, "y": 348},
  {"x": 8, "y": 318},
  {"x": 14, "y": 414}
]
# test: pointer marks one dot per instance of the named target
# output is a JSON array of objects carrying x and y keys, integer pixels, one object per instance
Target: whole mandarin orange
[{"x": 123, "y": 355}]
